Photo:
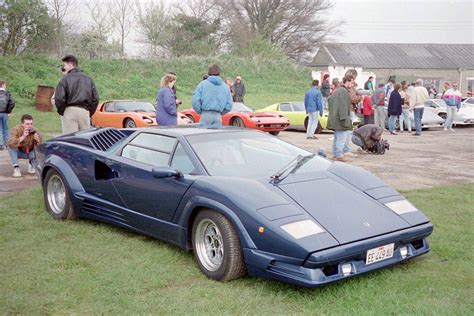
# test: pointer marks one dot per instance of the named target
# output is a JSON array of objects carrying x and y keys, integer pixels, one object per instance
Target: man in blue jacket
[
  {"x": 212, "y": 98},
  {"x": 313, "y": 105}
]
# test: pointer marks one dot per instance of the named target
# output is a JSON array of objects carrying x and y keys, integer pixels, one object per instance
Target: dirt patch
[{"x": 433, "y": 159}]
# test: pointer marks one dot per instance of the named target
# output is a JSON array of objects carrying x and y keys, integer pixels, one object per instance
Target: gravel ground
[{"x": 435, "y": 158}]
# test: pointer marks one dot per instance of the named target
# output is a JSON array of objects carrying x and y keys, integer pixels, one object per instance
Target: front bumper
[{"x": 324, "y": 267}]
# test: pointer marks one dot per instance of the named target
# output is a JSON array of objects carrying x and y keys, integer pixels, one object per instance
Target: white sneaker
[
  {"x": 31, "y": 169},
  {"x": 349, "y": 154},
  {"x": 16, "y": 172},
  {"x": 445, "y": 129},
  {"x": 451, "y": 129}
]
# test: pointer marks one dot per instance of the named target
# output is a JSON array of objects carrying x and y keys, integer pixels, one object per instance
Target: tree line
[{"x": 191, "y": 27}]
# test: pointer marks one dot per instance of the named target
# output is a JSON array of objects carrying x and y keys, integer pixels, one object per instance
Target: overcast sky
[{"x": 403, "y": 21}]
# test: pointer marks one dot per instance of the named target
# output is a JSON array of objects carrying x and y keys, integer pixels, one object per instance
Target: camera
[{"x": 31, "y": 131}]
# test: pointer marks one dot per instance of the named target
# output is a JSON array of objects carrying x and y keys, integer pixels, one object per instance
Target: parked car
[
  {"x": 241, "y": 200},
  {"x": 128, "y": 113},
  {"x": 464, "y": 116},
  {"x": 430, "y": 119},
  {"x": 296, "y": 113},
  {"x": 243, "y": 116}
]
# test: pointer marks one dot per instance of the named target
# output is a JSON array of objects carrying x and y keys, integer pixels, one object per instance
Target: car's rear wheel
[
  {"x": 319, "y": 128},
  {"x": 56, "y": 196},
  {"x": 275, "y": 133},
  {"x": 306, "y": 124},
  {"x": 191, "y": 118},
  {"x": 217, "y": 247},
  {"x": 237, "y": 121},
  {"x": 129, "y": 123}
]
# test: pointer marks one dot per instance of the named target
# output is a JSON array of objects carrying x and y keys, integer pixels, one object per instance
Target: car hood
[{"x": 343, "y": 210}]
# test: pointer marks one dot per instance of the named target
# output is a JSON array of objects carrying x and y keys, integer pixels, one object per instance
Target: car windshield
[
  {"x": 249, "y": 154},
  {"x": 469, "y": 100},
  {"x": 240, "y": 107},
  {"x": 131, "y": 106},
  {"x": 298, "y": 106},
  {"x": 440, "y": 102}
]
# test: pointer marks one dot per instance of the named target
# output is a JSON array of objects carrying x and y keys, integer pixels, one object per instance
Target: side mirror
[{"x": 165, "y": 172}]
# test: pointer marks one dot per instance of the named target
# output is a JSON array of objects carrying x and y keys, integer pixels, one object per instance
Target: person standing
[
  {"x": 418, "y": 97},
  {"x": 405, "y": 117},
  {"x": 230, "y": 84},
  {"x": 7, "y": 103},
  {"x": 378, "y": 101},
  {"x": 369, "y": 84},
  {"x": 394, "y": 108},
  {"x": 389, "y": 88},
  {"x": 212, "y": 98},
  {"x": 313, "y": 106},
  {"x": 325, "y": 90},
  {"x": 334, "y": 85},
  {"x": 339, "y": 118},
  {"x": 239, "y": 90},
  {"x": 166, "y": 106},
  {"x": 445, "y": 88},
  {"x": 367, "y": 110},
  {"x": 21, "y": 144},
  {"x": 76, "y": 97},
  {"x": 452, "y": 97}
]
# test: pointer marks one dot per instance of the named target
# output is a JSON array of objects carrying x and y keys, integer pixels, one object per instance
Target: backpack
[{"x": 3, "y": 101}]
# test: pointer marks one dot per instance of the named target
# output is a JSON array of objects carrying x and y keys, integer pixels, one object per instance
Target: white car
[{"x": 463, "y": 117}]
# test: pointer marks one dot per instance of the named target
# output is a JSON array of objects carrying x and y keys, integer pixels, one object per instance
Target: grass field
[{"x": 84, "y": 267}]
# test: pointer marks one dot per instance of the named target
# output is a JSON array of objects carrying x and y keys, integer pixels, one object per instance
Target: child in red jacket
[{"x": 367, "y": 110}]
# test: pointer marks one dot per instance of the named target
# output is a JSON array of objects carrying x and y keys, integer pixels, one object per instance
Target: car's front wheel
[
  {"x": 191, "y": 118},
  {"x": 129, "y": 123},
  {"x": 217, "y": 247},
  {"x": 56, "y": 196},
  {"x": 275, "y": 133},
  {"x": 237, "y": 121}
]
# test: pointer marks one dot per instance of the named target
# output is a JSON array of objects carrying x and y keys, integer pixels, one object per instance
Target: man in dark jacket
[
  {"x": 239, "y": 89},
  {"x": 366, "y": 136},
  {"x": 340, "y": 118},
  {"x": 76, "y": 97},
  {"x": 7, "y": 103}
]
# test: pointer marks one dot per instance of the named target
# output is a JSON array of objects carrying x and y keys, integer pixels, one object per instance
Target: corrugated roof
[{"x": 396, "y": 56}]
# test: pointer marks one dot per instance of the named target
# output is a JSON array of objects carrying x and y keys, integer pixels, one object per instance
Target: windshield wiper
[{"x": 291, "y": 167}]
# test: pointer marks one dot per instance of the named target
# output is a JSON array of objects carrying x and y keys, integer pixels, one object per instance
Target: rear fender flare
[{"x": 196, "y": 203}]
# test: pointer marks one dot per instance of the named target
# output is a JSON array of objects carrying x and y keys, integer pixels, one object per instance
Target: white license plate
[{"x": 379, "y": 254}]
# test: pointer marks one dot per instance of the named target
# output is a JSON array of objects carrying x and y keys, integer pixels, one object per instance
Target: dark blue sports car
[{"x": 243, "y": 201}]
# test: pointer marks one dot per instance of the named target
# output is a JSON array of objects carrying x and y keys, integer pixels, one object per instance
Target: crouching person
[
  {"x": 369, "y": 138},
  {"x": 21, "y": 144}
]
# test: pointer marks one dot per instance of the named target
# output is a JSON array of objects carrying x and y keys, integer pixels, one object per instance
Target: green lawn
[{"x": 84, "y": 267}]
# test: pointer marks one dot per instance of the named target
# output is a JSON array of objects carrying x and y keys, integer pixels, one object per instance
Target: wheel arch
[
  {"x": 125, "y": 118},
  {"x": 198, "y": 203}
]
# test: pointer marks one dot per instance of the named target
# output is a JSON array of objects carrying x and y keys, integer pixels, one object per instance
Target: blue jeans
[
  {"x": 392, "y": 121},
  {"x": 405, "y": 118},
  {"x": 16, "y": 154},
  {"x": 418, "y": 112},
  {"x": 3, "y": 129},
  {"x": 211, "y": 119},
  {"x": 451, "y": 112},
  {"x": 339, "y": 143}
]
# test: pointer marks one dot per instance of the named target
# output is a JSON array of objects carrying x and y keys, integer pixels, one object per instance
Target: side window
[
  {"x": 150, "y": 149},
  {"x": 286, "y": 107},
  {"x": 181, "y": 161},
  {"x": 110, "y": 107}
]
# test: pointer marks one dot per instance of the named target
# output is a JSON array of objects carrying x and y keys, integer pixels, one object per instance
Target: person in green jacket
[{"x": 340, "y": 118}]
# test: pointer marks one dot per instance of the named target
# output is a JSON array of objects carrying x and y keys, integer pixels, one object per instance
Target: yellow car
[{"x": 296, "y": 113}]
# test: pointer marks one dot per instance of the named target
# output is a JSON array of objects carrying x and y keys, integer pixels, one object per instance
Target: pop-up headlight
[
  {"x": 401, "y": 207},
  {"x": 302, "y": 229}
]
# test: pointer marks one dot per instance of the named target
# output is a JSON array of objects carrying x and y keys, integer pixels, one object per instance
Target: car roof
[{"x": 189, "y": 130}]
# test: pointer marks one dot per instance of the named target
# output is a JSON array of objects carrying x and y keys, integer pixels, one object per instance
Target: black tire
[
  {"x": 212, "y": 234},
  {"x": 275, "y": 133},
  {"x": 306, "y": 124},
  {"x": 237, "y": 122},
  {"x": 191, "y": 118},
  {"x": 129, "y": 123},
  {"x": 56, "y": 196}
]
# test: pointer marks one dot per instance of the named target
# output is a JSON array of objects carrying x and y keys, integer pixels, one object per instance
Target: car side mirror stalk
[{"x": 166, "y": 172}]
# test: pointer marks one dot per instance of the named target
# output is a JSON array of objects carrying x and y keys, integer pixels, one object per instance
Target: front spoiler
[{"x": 327, "y": 266}]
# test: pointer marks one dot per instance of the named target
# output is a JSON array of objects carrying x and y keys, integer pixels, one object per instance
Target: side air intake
[{"x": 106, "y": 138}]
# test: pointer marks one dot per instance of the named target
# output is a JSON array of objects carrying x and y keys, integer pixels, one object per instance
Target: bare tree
[
  {"x": 58, "y": 10},
  {"x": 102, "y": 22},
  {"x": 296, "y": 26},
  {"x": 122, "y": 14},
  {"x": 153, "y": 20}
]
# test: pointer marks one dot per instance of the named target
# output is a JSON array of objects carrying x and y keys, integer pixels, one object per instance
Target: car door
[
  {"x": 287, "y": 110},
  {"x": 140, "y": 191}
]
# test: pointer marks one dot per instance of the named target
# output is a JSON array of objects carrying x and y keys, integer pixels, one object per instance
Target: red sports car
[{"x": 243, "y": 116}]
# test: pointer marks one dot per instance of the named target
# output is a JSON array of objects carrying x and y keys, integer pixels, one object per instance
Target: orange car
[
  {"x": 128, "y": 113},
  {"x": 243, "y": 116}
]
